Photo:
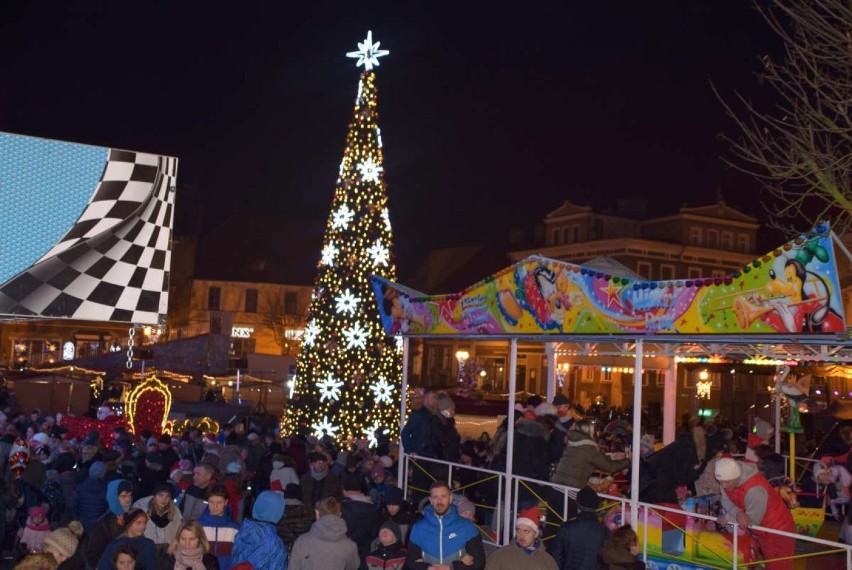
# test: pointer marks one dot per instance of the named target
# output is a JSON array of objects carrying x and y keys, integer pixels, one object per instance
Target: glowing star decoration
[
  {"x": 702, "y": 389},
  {"x": 329, "y": 252},
  {"x": 382, "y": 391},
  {"x": 347, "y": 302},
  {"x": 324, "y": 427},
  {"x": 379, "y": 253},
  {"x": 368, "y": 53},
  {"x": 370, "y": 171},
  {"x": 342, "y": 217},
  {"x": 356, "y": 336},
  {"x": 370, "y": 434},
  {"x": 386, "y": 219},
  {"x": 310, "y": 334},
  {"x": 329, "y": 388}
]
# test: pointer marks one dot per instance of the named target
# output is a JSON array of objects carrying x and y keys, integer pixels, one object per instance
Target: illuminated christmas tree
[{"x": 348, "y": 371}]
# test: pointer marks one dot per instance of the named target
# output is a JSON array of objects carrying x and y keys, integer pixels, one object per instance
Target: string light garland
[
  {"x": 148, "y": 406},
  {"x": 204, "y": 425},
  {"x": 349, "y": 371}
]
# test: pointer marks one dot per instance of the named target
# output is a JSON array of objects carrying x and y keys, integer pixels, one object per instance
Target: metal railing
[{"x": 691, "y": 531}]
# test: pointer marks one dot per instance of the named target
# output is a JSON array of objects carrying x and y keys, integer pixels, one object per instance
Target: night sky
[{"x": 492, "y": 113}]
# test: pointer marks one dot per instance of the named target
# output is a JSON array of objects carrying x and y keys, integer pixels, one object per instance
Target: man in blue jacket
[{"x": 443, "y": 540}]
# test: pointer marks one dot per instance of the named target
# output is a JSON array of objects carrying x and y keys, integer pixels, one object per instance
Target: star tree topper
[{"x": 368, "y": 53}]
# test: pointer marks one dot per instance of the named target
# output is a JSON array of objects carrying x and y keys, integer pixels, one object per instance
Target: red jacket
[{"x": 777, "y": 514}]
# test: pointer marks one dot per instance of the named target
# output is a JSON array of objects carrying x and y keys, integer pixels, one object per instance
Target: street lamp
[{"x": 702, "y": 388}]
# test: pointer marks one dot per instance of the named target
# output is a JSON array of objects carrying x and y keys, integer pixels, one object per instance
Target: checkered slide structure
[{"x": 113, "y": 264}]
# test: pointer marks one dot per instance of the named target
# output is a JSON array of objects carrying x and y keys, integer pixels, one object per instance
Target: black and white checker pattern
[{"x": 113, "y": 265}]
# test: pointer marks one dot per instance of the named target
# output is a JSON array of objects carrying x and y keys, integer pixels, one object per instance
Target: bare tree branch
[
  {"x": 286, "y": 327},
  {"x": 801, "y": 149}
]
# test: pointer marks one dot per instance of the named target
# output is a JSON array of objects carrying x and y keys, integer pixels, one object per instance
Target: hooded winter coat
[
  {"x": 578, "y": 542},
  {"x": 88, "y": 503},
  {"x": 257, "y": 542},
  {"x": 580, "y": 459},
  {"x": 325, "y": 547},
  {"x": 297, "y": 520},
  {"x": 107, "y": 528},
  {"x": 443, "y": 540},
  {"x": 221, "y": 531}
]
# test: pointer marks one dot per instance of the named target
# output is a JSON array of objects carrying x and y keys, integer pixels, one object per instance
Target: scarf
[
  {"x": 161, "y": 521},
  {"x": 189, "y": 559},
  {"x": 530, "y": 549}
]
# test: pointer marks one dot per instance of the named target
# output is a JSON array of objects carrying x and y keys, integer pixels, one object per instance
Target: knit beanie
[
  {"x": 394, "y": 528},
  {"x": 727, "y": 469},
  {"x": 465, "y": 506},
  {"x": 97, "y": 470},
  {"x": 127, "y": 518},
  {"x": 62, "y": 540},
  {"x": 393, "y": 496},
  {"x": 588, "y": 500}
]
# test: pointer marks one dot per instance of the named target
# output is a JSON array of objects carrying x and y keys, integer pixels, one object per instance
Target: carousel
[{"x": 785, "y": 307}]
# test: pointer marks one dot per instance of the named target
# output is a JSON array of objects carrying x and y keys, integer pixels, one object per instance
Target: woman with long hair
[
  {"x": 164, "y": 518},
  {"x": 190, "y": 550}
]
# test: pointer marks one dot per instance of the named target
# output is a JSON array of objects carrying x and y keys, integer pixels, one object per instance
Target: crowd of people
[{"x": 247, "y": 498}]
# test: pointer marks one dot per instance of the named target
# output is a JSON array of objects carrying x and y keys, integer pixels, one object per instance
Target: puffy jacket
[
  {"x": 194, "y": 503},
  {"x": 443, "y": 540},
  {"x": 325, "y": 547},
  {"x": 106, "y": 529},
  {"x": 421, "y": 434},
  {"x": 221, "y": 532},
  {"x": 297, "y": 520},
  {"x": 88, "y": 503},
  {"x": 259, "y": 545},
  {"x": 582, "y": 458}
]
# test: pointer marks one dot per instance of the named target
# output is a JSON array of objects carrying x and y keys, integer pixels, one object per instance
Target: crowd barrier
[{"x": 666, "y": 533}]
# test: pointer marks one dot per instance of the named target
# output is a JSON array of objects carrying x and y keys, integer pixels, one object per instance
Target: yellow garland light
[
  {"x": 69, "y": 368},
  {"x": 204, "y": 425},
  {"x": 152, "y": 383}
]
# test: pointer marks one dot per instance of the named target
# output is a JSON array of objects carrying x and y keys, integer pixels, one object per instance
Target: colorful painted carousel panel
[{"x": 791, "y": 290}]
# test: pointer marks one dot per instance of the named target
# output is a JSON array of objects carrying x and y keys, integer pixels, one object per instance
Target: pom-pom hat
[{"x": 529, "y": 518}]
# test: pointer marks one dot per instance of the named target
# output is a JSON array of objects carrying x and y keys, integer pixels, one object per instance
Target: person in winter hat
[
  {"x": 362, "y": 520},
  {"x": 119, "y": 496},
  {"x": 578, "y": 541},
  {"x": 283, "y": 471},
  {"x": 62, "y": 543},
  {"x": 257, "y": 542},
  {"x": 749, "y": 499},
  {"x": 35, "y": 530},
  {"x": 219, "y": 527},
  {"x": 390, "y": 553},
  {"x": 133, "y": 524},
  {"x": 164, "y": 518},
  {"x": 297, "y": 519},
  {"x": 89, "y": 502},
  {"x": 398, "y": 511},
  {"x": 325, "y": 546},
  {"x": 526, "y": 551}
]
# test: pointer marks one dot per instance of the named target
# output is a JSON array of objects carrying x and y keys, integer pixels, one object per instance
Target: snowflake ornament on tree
[
  {"x": 329, "y": 388},
  {"x": 310, "y": 334},
  {"x": 382, "y": 391},
  {"x": 379, "y": 253},
  {"x": 356, "y": 336},
  {"x": 342, "y": 217},
  {"x": 347, "y": 302},
  {"x": 325, "y": 427},
  {"x": 370, "y": 171},
  {"x": 329, "y": 252}
]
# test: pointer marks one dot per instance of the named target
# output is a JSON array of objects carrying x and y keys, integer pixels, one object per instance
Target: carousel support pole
[
  {"x": 402, "y": 402},
  {"x": 777, "y": 396},
  {"x": 670, "y": 402},
  {"x": 792, "y": 456},
  {"x": 550, "y": 351},
  {"x": 637, "y": 434},
  {"x": 508, "y": 527}
]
